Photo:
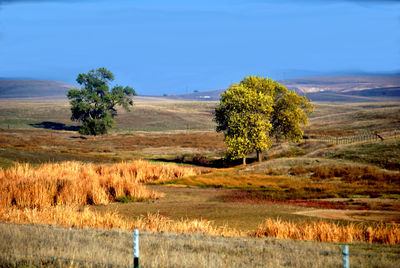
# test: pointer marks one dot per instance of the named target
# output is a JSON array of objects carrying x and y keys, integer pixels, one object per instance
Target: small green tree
[
  {"x": 255, "y": 111},
  {"x": 94, "y": 104}
]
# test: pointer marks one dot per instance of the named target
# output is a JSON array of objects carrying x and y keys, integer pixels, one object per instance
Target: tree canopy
[
  {"x": 94, "y": 104},
  {"x": 257, "y": 110}
]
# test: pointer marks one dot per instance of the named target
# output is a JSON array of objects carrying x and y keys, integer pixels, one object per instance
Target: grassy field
[
  {"x": 354, "y": 186},
  {"x": 338, "y": 119},
  {"x": 157, "y": 114},
  {"x": 37, "y": 245},
  {"x": 149, "y": 114}
]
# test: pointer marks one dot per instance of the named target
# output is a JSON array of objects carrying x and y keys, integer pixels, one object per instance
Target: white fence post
[
  {"x": 345, "y": 252},
  {"x": 136, "y": 248}
]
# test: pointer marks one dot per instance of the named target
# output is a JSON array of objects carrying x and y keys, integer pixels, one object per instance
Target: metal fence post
[
  {"x": 136, "y": 248},
  {"x": 345, "y": 252}
]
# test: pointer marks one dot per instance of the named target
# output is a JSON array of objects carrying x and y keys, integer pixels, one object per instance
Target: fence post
[
  {"x": 345, "y": 252},
  {"x": 136, "y": 248}
]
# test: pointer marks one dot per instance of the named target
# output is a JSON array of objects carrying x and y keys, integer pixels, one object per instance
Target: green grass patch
[
  {"x": 129, "y": 199},
  {"x": 383, "y": 154}
]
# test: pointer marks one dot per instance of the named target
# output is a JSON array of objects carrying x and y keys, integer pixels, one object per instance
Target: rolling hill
[
  {"x": 341, "y": 84},
  {"x": 327, "y": 88},
  {"x": 33, "y": 88}
]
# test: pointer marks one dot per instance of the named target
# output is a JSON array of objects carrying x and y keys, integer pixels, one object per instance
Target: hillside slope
[
  {"x": 328, "y": 88},
  {"x": 33, "y": 88},
  {"x": 341, "y": 84}
]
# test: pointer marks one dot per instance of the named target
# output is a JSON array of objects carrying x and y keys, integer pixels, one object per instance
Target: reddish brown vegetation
[
  {"x": 347, "y": 173},
  {"x": 249, "y": 197},
  {"x": 41, "y": 140}
]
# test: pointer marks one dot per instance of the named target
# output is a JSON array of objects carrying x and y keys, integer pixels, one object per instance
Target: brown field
[
  {"x": 107, "y": 182},
  {"x": 50, "y": 246},
  {"x": 319, "y": 231},
  {"x": 49, "y": 194},
  {"x": 157, "y": 114},
  {"x": 41, "y": 146}
]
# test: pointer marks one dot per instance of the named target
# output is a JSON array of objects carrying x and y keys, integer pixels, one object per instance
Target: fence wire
[{"x": 368, "y": 136}]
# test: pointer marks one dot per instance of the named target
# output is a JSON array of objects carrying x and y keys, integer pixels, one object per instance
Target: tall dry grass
[
  {"x": 76, "y": 183},
  {"x": 53, "y": 193},
  {"x": 69, "y": 216},
  {"x": 320, "y": 231},
  {"x": 143, "y": 171},
  {"x": 329, "y": 232}
]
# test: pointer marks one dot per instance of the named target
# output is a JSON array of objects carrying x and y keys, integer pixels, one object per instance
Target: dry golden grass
[
  {"x": 320, "y": 231},
  {"x": 143, "y": 171},
  {"x": 75, "y": 183},
  {"x": 329, "y": 232},
  {"x": 69, "y": 216},
  {"x": 52, "y": 193}
]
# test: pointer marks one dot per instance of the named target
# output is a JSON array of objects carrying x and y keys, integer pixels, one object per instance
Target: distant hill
[
  {"x": 32, "y": 88},
  {"x": 327, "y": 88},
  {"x": 211, "y": 95},
  {"x": 341, "y": 84}
]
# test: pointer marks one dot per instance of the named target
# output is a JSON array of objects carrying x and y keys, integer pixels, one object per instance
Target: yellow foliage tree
[{"x": 255, "y": 111}]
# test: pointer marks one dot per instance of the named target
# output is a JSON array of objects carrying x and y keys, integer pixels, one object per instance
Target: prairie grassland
[
  {"x": 349, "y": 173},
  {"x": 326, "y": 180},
  {"x": 37, "y": 245},
  {"x": 19, "y": 114},
  {"x": 41, "y": 146},
  {"x": 51, "y": 194},
  {"x": 316, "y": 231},
  {"x": 68, "y": 216},
  {"x": 154, "y": 115},
  {"x": 341, "y": 119},
  {"x": 382, "y": 154},
  {"x": 330, "y": 232},
  {"x": 185, "y": 128},
  {"x": 168, "y": 115},
  {"x": 74, "y": 183}
]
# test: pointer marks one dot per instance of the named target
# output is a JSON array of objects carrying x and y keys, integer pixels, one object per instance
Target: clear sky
[{"x": 176, "y": 46}]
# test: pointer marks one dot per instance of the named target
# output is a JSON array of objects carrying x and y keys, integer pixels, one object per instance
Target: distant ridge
[
  {"x": 341, "y": 84},
  {"x": 25, "y": 88},
  {"x": 327, "y": 88}
]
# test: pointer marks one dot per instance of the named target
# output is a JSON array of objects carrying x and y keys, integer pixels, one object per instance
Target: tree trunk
[
  {"x": 259, "y": 156},
  {"x": 244, "y": 160}
]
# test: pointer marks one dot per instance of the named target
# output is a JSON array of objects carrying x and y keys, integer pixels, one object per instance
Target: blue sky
[{"x": 169, "y": 47}]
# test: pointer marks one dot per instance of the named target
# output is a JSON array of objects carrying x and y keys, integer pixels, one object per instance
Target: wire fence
[
  {"x": 367, "y": 136},
  {"x": 41, "y": 246}
]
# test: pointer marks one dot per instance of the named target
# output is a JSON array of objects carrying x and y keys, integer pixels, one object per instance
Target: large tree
[
  {"x": 257, "y": 110},
  {"x": 94, "y": 104}
]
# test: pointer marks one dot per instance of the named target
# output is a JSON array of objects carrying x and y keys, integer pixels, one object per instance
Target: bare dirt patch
[
  {"x": 354, "y": 215},
  {"x": 378, "y": 210}
]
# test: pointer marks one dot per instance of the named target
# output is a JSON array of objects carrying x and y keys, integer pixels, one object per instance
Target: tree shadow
[
  {"x": 55, "y": 126},
  {"x": 204, "y": 162}
]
